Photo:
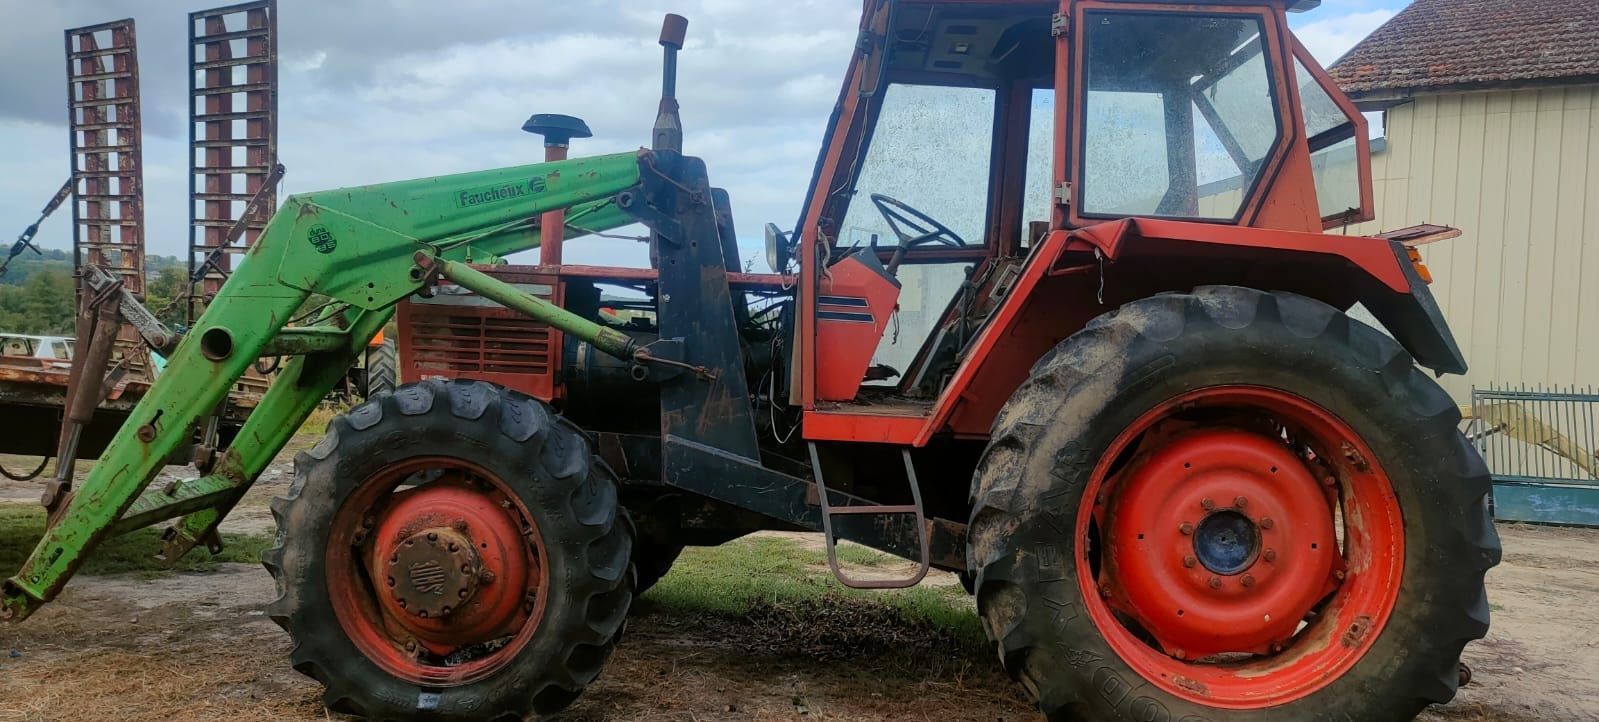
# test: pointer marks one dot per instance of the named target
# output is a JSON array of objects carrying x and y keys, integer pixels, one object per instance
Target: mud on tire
[
  {"x": 1050, "y": 436},
  {"x": 570, "y": 495}
]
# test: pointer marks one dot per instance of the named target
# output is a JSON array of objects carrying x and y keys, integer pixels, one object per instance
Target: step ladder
[{"x": 913, "y": 508}]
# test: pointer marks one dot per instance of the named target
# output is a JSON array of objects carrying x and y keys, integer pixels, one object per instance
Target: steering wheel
[{"x": 901, "y": 217}]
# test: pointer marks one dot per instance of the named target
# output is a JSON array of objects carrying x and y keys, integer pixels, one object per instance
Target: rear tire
[
  {"x": 544, "y": 536},
  {"x": 1039, "y": 539}
]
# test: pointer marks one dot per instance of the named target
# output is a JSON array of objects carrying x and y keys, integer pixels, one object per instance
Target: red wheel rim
[
  {"x": 1242, "y": 548},
  {"x": 436, "y": 571}
]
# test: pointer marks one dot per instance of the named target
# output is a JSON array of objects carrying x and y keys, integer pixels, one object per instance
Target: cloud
[
  {"x": 379, "y": 90},
  {"x": 1329, "y": 38}
]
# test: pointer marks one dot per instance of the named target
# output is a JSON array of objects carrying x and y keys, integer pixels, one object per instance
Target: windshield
[{"x": 930, "y": 149}]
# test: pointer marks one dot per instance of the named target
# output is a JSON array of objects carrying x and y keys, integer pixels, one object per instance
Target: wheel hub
[
  {"x": 434, "y": 572},
  {"x": 1220, "y": 542},
  {"x": 452, "y": 565},
  {"x": 1226, "y": 542}
]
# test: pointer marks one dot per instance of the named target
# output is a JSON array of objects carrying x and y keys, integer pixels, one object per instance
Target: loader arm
[{"x": 363, "y": 247}]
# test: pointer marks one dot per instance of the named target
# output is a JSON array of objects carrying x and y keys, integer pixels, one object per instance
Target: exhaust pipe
[{"x": 668, "y": 133}]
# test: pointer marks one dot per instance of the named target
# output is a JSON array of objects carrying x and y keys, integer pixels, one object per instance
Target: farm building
[{"x": 1492, "y": 126}]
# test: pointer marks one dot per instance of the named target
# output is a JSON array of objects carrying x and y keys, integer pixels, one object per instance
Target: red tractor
[{"x": 1061, "y": 314}]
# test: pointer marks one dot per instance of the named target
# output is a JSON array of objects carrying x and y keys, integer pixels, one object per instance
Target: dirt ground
[{"x": 199, "y": 647}]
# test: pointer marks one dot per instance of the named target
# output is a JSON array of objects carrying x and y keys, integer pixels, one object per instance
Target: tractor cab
[{"x": 968, "y": 133}]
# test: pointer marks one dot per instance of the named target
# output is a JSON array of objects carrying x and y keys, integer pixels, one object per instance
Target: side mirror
[{"x": 778, "y": 251}]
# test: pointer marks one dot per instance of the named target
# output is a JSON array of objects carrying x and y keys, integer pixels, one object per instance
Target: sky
[{"x": 381, "y": 90}]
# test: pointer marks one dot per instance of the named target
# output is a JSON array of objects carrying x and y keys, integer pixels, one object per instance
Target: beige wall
[{"x": 1518, "y": 172}]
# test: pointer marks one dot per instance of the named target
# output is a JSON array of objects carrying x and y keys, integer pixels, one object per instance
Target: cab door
[{"x": 1179, "y": 112}]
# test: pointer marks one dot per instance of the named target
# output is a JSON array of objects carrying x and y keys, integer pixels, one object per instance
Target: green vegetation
[
  {"x": 757, "y": 574},
  {"x": 41, "y": 306},
  {"x": 21, "y": 526},
  {"x": 36, "y": 294}
]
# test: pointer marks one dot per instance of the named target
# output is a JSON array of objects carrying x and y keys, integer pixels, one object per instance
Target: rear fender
[
  {"x": 1076, "y": 275},
  {"x": 1338, "y": 270}
]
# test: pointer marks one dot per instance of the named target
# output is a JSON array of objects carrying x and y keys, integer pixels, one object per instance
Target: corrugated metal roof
[{"x": 1441, "y": 43}]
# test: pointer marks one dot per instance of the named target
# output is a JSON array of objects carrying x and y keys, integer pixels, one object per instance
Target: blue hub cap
[{"x": 1226, "y": 542}]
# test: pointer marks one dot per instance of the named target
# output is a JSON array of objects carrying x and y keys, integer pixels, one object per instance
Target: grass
[
  {"x": 757, "y": 574},
  {"x": 22, "y": 525},
  {"x": 317, "y": 422}
]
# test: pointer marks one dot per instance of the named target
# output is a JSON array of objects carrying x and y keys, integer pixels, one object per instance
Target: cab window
[
  {"x": 1180, "y": 114},
  {"x": 930, "y": 148},
  {"x": 1333, "y": 159}
]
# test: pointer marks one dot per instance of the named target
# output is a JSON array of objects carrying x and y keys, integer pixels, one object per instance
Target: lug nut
[
  {"x": 433, "y": 536},
  {"x": 1186, "y": 528},
  {"x": 485, "y": 576},
  {"x": 1267, "y": 523},
  {"x": 1247, "y": 581},
  {"x": 1340, "y": 574},
  {"x": 1104, "y": 590},
  {"x": 1189, "y": 561},
  {"x": 1240, "y": 502},
  {"x": 459, "y": 525},
  {"x": 1215, "y": 582},
  {"x": 1270, "y": 555},
  {"x": 1207, "y": 504}
]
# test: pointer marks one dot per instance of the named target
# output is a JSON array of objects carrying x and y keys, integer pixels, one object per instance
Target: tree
[{"x": 42, "y": 305}]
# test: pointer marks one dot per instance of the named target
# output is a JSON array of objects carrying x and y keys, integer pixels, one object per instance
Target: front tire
[
  {"x": 451, "y": 551},
  {"x": 1190, "y": 465}
]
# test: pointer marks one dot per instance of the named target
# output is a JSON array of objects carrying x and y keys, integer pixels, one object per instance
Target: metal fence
[{"x": 1540, "y": 446}]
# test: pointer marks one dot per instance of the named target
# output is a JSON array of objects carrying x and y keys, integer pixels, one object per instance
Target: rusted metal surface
[
  {"x": 107, "y": 160},
  {"x": 233, "y": 137},
  {"x": 103, "y": 118}
]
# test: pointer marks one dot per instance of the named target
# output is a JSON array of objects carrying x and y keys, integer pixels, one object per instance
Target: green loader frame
[{"x": 366, "y": 248}]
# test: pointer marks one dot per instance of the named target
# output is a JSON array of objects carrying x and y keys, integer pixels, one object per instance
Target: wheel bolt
[
  {"x": 1340, "y": 574},
  {"x": 1247, "y": 581},
  {"x": 459, "y": 525},
  {"x": 1189, "y": 561},
  {"x": 485, "y": 576},
  {"x": 1270, "y": 555},
  {"x": 410, "y": 645},
  {"x": 1207, "y": 504},
  {"x": 1104, "y": 590},
  {"x": 1215, "y": 582},
  {"x": 1240, "y": 502},
  {"x": 433, "y": 536},
  {"x": 1267, "y": 523},
  {"x": 1186, "y": 528}
]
